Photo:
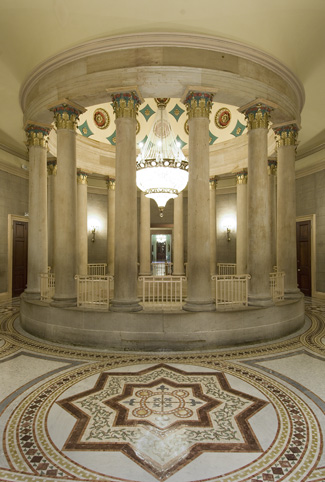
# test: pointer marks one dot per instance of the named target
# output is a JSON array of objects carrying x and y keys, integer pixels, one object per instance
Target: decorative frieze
[
  {"x": 37, "y": 134},
  {"x": 286, "y": 135},
  {"x": 241, "y": 177},
  {"x": 213, "y": 183},
  {"x": 198, "y": 104},
  {"x": 52, "y": 167},
  {"x": 126, "y": 104},
  {"x": 82, "y": 177},
  {"x": 66, "y": 114},
  {"x": 110, "y": 184},
  {"x": 272, "y": 165}
]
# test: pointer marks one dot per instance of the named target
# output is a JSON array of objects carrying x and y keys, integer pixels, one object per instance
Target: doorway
[
  {"x": 161, "y": 253},
  {"x": 19, "y": 257},
  {"x": 303, "y": 237}
]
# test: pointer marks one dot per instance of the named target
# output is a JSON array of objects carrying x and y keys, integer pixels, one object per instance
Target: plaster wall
[
  {"x": 226, "y": 207},
  {"x": 97, "y": 213}
]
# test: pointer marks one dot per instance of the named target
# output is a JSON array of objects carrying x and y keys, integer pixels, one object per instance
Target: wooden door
[
  {"x": 161, "y": 251},
  {"x": 303, "y": 229},
  {"x": 19, "y": 257}
]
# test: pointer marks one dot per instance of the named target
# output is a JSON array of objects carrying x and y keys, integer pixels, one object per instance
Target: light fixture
[
  {"x": 93, "y": 230},
  {"x": 228, "y": 234},
  {"x": 228, "y": 223},
  {"x": 162, "y": 168}
]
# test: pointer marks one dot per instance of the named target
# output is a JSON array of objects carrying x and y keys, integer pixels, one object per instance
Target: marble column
[
  {"x": 178, "y": 261},
  {"x": 66, "y": 115},
  {"x": 145, "y": 241},
  {"x": 213, "y": 226},
  {"x": 110, "y": 225},
  {"x": 51, "y": 176},
  {"x": 259, "y": 229},
  {"x": 241, "y": 242},
  {"x": 82, "y": 232},
  {"x": 125, "y": 106},
  {"x": 286, "y": 137},
  {"x": 37, "y": 138},
  {"x": 272, "y": 170},
  {"x": 198, "y": 106}
]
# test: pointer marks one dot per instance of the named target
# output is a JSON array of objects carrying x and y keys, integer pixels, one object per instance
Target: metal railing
[
  {"x": 231, "y": 290},
  {"x": 47, "y": 286},
  {"x": 277, "y": 285},
  {"x": 96, "y": 269},
  {"x": 226, "y": 268},
  {"x": 165, "y": 290},
  {"x": 163, "y": 268},
  {"x": 93, "y": 291}
]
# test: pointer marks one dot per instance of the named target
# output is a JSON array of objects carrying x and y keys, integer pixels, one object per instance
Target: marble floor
[{"x": 253, "y": 413}]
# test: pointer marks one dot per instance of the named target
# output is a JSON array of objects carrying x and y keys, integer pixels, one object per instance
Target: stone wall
[
  {"x": 226, "y": 206},
  {"x": 310, "y": 193},
  {"x": 97, "y": 213},
  {"x": 13, "y": 200}
]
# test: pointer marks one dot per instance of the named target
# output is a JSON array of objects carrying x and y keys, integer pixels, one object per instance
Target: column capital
[
  {"x": 37, "y": 133},
  {"x": 110, "y": 183},
  {"x": 126, "y": 101},
  {"x": 66, "y": 114},
  {"x": 272, "y": 165},
  {"x": 242, "y": 177},
  {"x": 286, "y": 133},
  {"x": 82, "y": 177},
  {"x": 213, "y": 181},
  {"x": 52, "y": 167},
  {"x": 198, "y": 101},
  {"x": 257, "y": 113}
]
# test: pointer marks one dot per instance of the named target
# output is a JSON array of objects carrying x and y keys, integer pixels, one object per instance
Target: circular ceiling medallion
[
  {"x": 101, "y": 118},
  {"x": 162, "y": 102},
  {"x": 137, "y": 128},
  {"x": 186, "y": 127},
  {"x": 222, "y": 118}
]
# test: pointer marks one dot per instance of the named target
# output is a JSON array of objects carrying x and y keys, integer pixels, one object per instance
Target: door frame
[
  {"x": 11, "y": 219},
  {"x": 312, "y": 219}
]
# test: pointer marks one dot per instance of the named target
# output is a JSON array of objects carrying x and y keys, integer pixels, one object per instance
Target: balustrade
[
  {"x": 47, "y": 286},
  {"x": 231, "y": 290},
  {"x": 93, "y": 291},
  {"x": 165, "y": 290},
  {"x": 227, "y": 268}
]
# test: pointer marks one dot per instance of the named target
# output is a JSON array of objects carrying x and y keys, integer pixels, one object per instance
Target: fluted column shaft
[
  {"x": 241, "y": 242},
  {"x": 66, "y": 115},
  {"x": 178, "y": 261},
  {"x": 125, "y": 265},
  {"x": 213, "y": 227},
  {"x": 82, "y": 235},
  {"x": 110, "y": 225},
  {"x": 37, "y": 136},
  {"x": 145, "y": 241},
  {"x": 272, "y": 170},
  {"x": 259, "y": 230},
  {"x": 286, "y": 136},
  {"x": 198, "y": 106}
]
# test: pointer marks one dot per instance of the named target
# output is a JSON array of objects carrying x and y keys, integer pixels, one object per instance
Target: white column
[
  {"x": 82, "y": 235},
  {"x": 198, "y": 105},
  {"x": 125, "y": 264},
  {"x": 259, "y": 229},
  {"x": 110, "y": 225},
  {"x": 66, "y": 115},
  {"x": 272, "y": 170},
  {"x": 51, "y": 176},
  {"x": 241, "y": 242},
  {"x": 178, "y": 261},
  {"x": 213, "y": 227},
  {"x": 145, "y": 241},
  {"x": 286, "y": 135},
  {"x": 37, "y": 137}
]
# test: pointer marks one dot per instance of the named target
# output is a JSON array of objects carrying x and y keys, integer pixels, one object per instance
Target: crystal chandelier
[{"x": 162, "y": 168}]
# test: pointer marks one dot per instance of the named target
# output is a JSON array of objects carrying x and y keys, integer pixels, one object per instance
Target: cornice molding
[
  {"x": 162, "y": 39},
  {"x": 320, "y": 166},
  {"x": 16, "y": 171},
  {"x": 309, "y": 152},
  {"x": 14, "y": 152}
]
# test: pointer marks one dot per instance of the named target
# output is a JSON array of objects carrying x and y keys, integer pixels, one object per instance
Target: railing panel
[
  {"x": 96, "y": 269},
  {"x": 231, "y": 290},
  {"x": 277, "y": 285},
  {"x": 47, "y": 286},
  {"x": 226, "y": 268},
  {"x": 162, "y": 290},
  {"x": 162, "y": 268},
  {"x": 93, "y": 291}
]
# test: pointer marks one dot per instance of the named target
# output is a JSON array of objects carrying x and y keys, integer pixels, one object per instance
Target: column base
[
  {"x": 32, "y": 294},
  {"x": 260, "y": 300},
  {"x": 207, "y": 305},
  {"x": 293, "y": 294},
  {"x": 59, "y": 302},
  {"x": 126, "y": 306}
]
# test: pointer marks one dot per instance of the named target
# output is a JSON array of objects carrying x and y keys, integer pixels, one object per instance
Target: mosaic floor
[{"x": 253, "y": 413}]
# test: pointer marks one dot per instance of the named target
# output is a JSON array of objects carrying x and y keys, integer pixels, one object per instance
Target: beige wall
[
  {"x": 226, "y": 206},
  {"x": 97, "y": 210}
]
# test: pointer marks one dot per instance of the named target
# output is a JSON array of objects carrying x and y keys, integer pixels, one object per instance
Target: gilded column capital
[
  {"x": 126, "y": 104},
  {"x": 213, "y": 181},
  {"x": 52, "y": 167},
  {"x": 286, "y": 134},
  {"x": 242, "y": 177},
  {"x": 258, "y": 116},
  {"x": 66, "y": 114},
  {"x": 82, "y": 177},
  {"x": 272, "y": 165},
  {"x": 37, "y": 134},
  {"x": 198, "y": 104},
  {"x": 110, "y": 183}
]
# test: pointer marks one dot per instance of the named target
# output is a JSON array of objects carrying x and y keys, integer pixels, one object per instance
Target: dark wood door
[
  {"x": 304, "y": 256},
  {"x": 19, "y": 258},
  {"x": 161, "y": 251}
]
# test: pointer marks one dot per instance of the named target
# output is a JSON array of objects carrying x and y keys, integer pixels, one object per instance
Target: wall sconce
[
  {"x": 228, "y": 234},
  {"x": 93, "y": 233}
]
